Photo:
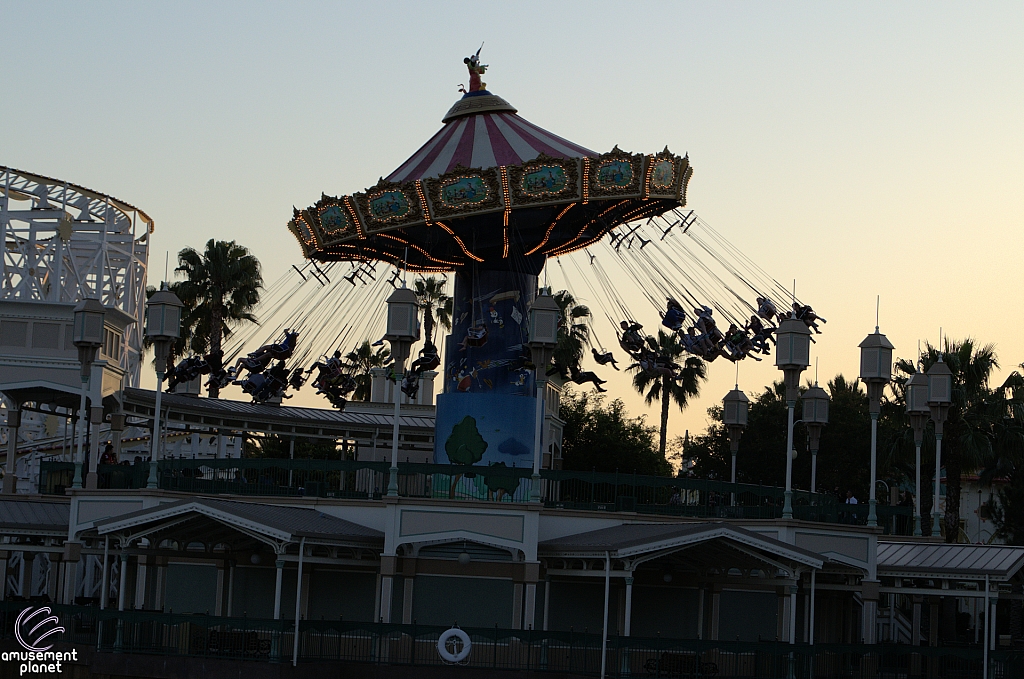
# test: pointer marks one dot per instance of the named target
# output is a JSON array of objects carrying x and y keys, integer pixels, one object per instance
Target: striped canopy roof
[{"x": 483, "y": 132}]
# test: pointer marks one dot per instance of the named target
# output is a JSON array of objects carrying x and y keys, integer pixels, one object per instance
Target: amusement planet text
[{"x": 40, "y": 662}]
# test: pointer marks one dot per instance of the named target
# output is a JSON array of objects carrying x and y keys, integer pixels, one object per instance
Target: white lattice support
[{"x": 63, "y": 243}]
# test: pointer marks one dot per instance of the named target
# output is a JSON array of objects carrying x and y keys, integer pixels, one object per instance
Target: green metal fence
[
  {"x": 579, "y": 653},
  {"x": 593, "y": 491}
]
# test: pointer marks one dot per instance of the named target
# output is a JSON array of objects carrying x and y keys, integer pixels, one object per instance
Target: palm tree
[
  {"x": 573, "y": 330},
  {"x": 221, "y": 288},
  {"x": 434, "y": 301},
  {"x": 685, "y": 384},
  {"x": 360, "y": 362}
]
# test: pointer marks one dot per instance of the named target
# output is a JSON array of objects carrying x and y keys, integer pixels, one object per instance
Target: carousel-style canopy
[{"x": 488, "y": 187}]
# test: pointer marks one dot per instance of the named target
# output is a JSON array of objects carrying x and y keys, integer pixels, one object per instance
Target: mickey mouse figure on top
[{"x": 476, "y": 69}]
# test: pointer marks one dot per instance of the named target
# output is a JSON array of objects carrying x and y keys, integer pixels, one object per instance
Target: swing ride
[{"x": 490, "y": 199}]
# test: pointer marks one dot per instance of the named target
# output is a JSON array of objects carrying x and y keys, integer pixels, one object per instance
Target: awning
[
  {"x": 33, "y": 517},
  {"x": 642, "y": 541},
  {"x": 947, "y": 561},
  {"x": 235, "y": 523}
]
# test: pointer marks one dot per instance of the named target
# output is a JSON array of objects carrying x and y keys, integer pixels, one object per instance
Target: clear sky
[{"x": 862, "y": 148}]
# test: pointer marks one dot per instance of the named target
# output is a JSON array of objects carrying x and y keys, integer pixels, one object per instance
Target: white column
[
  {"x": 530, "y": 606},
  {"x": 279, "y": 564},
  {"x": 105, "y": 584},
  {"x": 993, "y": 638},
  {"x": 547, "y": 601},
  {"x": 231, "y": 588},
  {"x": 121, "y": 593},
  {"x": 792, "y": 614},
  {"x": 386, "y": 584},
  {"x": 987, "y": 632},
  {"x": 407, "y": 586},
  {"x": 916, "y": 623},
  {"x": 218, "y": 602},
  {"x": 298, "y": 603},
  {"x": 629, "y": 606},
  {"x": 160, "y": 569},
  {"x": 141, "y": 568},
  {"x": 517, "y": 605},
  {"x": 716, "y": 601},
  {"x": 810, "y": 636},
  {"x": 701, "y": 632},
  {"x": 604, "y": 625}
]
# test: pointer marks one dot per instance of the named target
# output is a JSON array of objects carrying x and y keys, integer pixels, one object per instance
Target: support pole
[
  {"x": 787, "y": 507},
  {"x": 80, "y": 433},
  {"x": 872, "y": 502},
  {"x": 814, "y": 470},
  {"x": 298, "y": 604},
  {"x": 538, "y": 437},
  {"x": 95, "y": 419},
  {"x": 151, "y": 482},
  {"x": 393, "y": 471},
  {"x": 936, "y": 514},
  {"x": 917, "y": 490},
  {"x": 604, "y": 626},
  {"x": 10, "y": 478}
]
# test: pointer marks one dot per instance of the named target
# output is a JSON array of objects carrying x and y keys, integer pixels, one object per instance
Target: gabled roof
[
  {"x": 283, "y": 524},
  {"x": 32, "y": 516},
  {"x": 999, "y": 562},
  {"x": 634, "y": 539}
]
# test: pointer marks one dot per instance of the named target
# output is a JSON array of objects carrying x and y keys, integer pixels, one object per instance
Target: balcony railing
[
  {"x": 563, "y": 652},
  {"x": 591, "y": 491}
]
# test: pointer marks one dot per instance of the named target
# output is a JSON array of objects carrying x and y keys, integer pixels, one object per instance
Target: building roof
[
  {"x": 632, "y": 539},
  {"x": 33, "y": 516},
  {"x": 265, "y": 418},
  {"x": 1000, "y": 562},
  {"x": 282, "y": 523},
  {"x": 484, "y": 136}
]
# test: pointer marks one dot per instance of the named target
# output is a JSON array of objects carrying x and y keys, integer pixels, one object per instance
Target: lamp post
[
  {"x": 917, "y": 408},
  {"x": 815, "y": 418},
  {"x": 940, "y": 396},
  {"x": 792, "y": 356},
  {"x": 403, "y": 329},
  {"x": 875, "y": 372},
  {"x": 544, "y": 313},
  {"x": 163, "y": 327},
  {"x": 88, "y": 337},
  {"x": 735, "y": 408}
]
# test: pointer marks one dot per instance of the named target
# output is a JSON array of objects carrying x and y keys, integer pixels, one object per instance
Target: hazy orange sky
[{"x": 862, "y": 148}]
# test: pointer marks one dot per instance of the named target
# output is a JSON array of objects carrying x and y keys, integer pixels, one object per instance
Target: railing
[
  {"x": 592, "y": 491},
  {"x": 55, "y": 477},
  {"x": 579, "y": 653}
]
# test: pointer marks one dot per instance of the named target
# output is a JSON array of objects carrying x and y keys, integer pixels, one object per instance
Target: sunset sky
[{"x": 861, "y": 148}]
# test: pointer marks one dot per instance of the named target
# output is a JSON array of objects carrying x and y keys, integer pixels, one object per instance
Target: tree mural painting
[{"x": 465, "y": 446}]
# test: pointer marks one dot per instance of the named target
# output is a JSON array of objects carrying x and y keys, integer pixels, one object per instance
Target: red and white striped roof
[{"x": 483, "y": 140}]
